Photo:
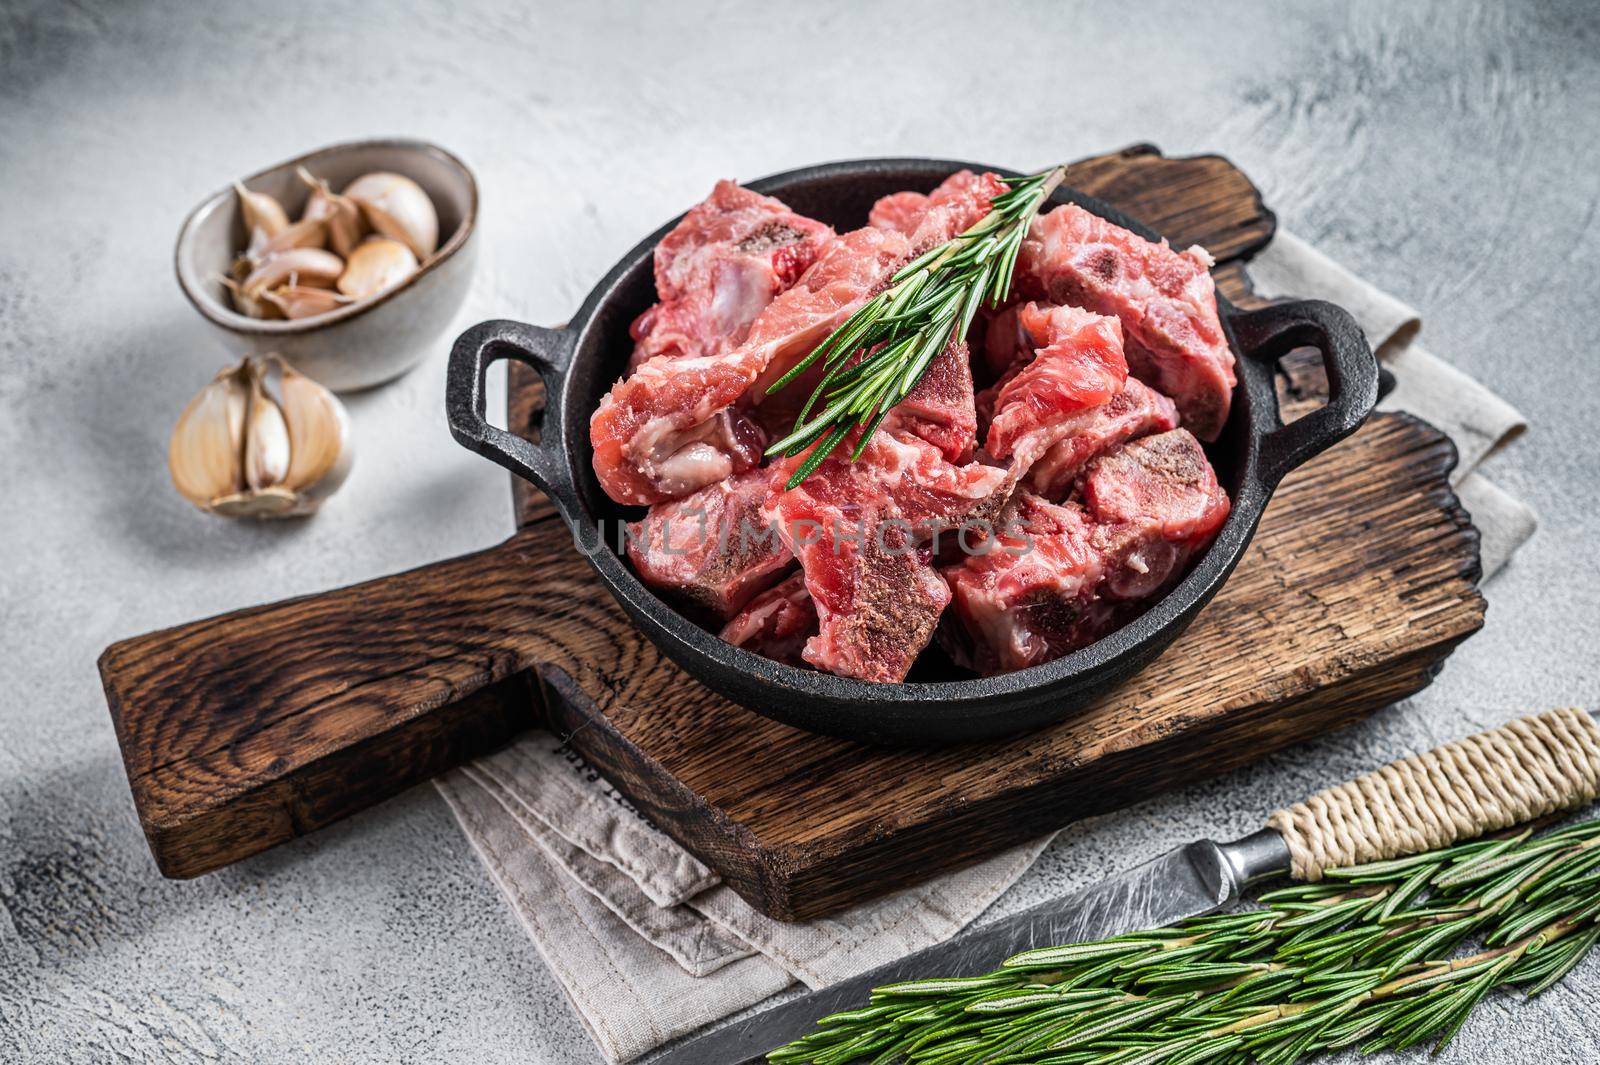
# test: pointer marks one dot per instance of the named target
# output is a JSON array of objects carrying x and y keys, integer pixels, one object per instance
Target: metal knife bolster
[{"x": 1232, "y": 867}]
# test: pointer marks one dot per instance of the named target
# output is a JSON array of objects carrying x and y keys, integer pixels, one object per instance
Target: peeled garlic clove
[
  {"x": 375, "y": 265},
  {"x": 302, "y": 301},
  {"x": 398, "y": 208},
  {"x": 260, "y": 212},
  {"x": 204, "y": 454},
  {"x": 311, "y": 267},
  {"x": 319, "y": 438},
  {"x": 346, "y": 225}
]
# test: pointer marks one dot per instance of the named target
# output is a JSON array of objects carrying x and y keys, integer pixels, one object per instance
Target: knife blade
[{"x": 1195, "y": 879}]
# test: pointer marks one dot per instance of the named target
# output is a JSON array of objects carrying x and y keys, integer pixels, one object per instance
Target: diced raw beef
[
  {"x": 1165, "y": 300},
  {"x": 858, "y": 528},
  {"x": 714, "y": 547},
  {"x": 777, "y": 623},
  {"x": 1031, "y": 597},
  {"x": 1077, "y": 365},
  {"x": 1056, "y": 578},
  {"x": 939, "y": 408},
  {"x": 1135, "y": 411},
  {"x": 668, "y": 429},
  {"x": 959, "y": 202},
  {"x": 719, "y": 268},
  {"x": 877, "y": 595},
  {"x": 849, "y": 271},
  {"x": 897, "y": 477},
  {"x": 1046, "y": 416},
  {"x": 899, "y": 211},
  {"x": 1155, "y": 502}
]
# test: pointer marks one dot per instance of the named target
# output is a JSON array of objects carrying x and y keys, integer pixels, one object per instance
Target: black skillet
[{"x": 580, "y": 362}]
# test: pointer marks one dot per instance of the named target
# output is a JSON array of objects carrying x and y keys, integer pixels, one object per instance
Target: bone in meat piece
[{"x": 1165, "y": 300}]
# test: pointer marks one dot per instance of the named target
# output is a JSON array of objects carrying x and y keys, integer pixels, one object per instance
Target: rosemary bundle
[
  {"x": 1371, "y": 957},
  {"x": 903, "y": 329}
]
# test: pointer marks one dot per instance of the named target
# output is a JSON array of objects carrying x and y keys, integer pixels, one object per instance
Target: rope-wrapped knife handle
[{"x": 1527, "y": 769}]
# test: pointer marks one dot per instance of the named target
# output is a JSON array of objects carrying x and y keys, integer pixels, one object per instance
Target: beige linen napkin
[
  {"x": 1474, "y": 418},
  {"x": 647, "y": 941}
]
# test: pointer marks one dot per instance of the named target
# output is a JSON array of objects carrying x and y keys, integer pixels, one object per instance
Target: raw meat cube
[
  {"x": 713, "y": 548},
  {"x": 940, "y": 408},
  {"x": 1077, "y": 365},
  {"x": 1156, "y": 503},
  {"x": 1031, "y": 597},
  {"x": 876, "y": 593},
  {"x": 668, "y": 429},
  {"x": 959, "y": 202},
  {"x": 899, "y": 477},
  {"x": 1058, "y": 577},
  {"x": 858, "y": 528},
  {"x": 719, "y": 268},
  {"x": 777, "y": 623},
  {"x": 1165, "y": 300},
  {"x": 1135, "y": 411},
  {"x": 1165, "y": 480}
]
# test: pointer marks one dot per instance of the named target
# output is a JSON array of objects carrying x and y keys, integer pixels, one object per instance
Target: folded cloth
[
  {"x": 646, "y": 940},
  {"x": 1476, "y": 419}
]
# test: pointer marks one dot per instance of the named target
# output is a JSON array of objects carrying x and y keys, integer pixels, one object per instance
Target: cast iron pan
[{"x": 580, "y": 362}]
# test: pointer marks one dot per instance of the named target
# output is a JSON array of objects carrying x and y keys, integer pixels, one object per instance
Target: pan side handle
[
  {"x": 548, "y": 351},
  {"x": 1270, "y": 333},
  {"x": 242, "y": 731}
]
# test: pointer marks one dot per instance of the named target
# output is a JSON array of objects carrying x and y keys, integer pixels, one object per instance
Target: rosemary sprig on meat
[
  {"x": 903, "y": 329},
  {"x": 1369, "y": 957}
]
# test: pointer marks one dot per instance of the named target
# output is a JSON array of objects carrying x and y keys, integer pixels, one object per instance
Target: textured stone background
[{"x": 1446, "y": 151}]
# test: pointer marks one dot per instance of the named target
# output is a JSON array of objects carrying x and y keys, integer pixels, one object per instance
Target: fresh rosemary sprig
[
  {"x": 903, "y": 329},
  {"x": 1370, "y": 957}
]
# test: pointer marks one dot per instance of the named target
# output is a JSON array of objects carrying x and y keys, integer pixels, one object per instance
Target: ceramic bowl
[{"x": 365, "y": 343}]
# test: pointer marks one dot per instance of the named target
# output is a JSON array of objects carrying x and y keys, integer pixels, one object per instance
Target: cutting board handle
[{"x": 241, "y": 731}]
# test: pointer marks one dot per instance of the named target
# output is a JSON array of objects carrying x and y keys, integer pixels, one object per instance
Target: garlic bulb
[
  {"x": 375, "y": 265},
  {"x": 261, "y": 441},
  {"x": 346, "y": 225},
  {"x": 398, "y": 208}
]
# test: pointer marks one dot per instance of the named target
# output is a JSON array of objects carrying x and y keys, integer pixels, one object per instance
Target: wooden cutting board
[{"x": 243, "y": 731}]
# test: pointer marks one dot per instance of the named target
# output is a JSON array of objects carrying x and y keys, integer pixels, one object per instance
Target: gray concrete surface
[{"x": 1445, "y": 150}]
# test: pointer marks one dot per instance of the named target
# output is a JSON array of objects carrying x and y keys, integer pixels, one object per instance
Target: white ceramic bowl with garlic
[{"x": 350, "y": 261}]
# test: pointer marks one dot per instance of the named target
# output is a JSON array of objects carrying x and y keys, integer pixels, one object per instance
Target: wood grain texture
[{"x": 242, "y": 731}]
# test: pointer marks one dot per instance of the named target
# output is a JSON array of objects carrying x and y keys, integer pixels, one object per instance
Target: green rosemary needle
[
  {"x": 1370, "y": 957},
  {"x": 902, "y": 329}
]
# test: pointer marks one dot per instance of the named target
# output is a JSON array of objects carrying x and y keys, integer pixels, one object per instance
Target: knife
[{"x": 1530, "y": 768}]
